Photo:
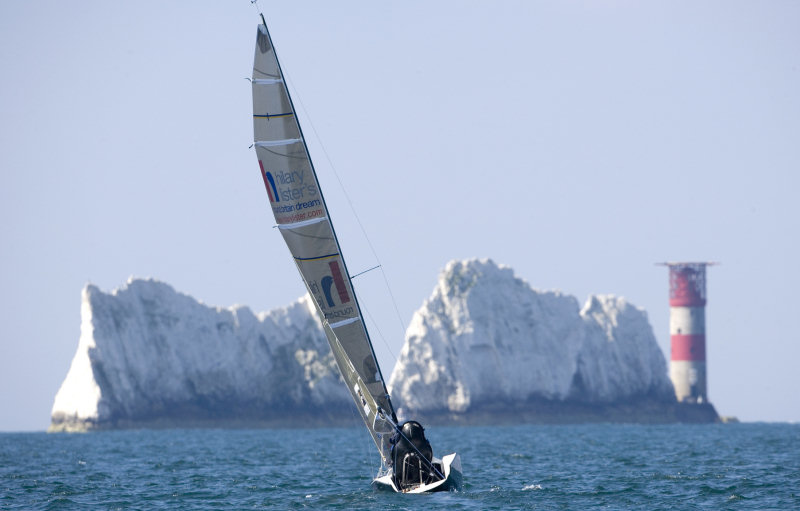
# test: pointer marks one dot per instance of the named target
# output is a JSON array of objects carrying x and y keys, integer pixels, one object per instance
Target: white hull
[{"x": 451, "y": 469}]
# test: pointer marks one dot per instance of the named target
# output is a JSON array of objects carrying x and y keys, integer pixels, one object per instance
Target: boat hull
[{"x": 451, "y": 469}]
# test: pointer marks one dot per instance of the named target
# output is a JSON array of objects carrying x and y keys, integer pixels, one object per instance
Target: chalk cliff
[
  {"x": 484, "y": 348},
  {"x": 150, "y": 356},
  {"x": 487, "y": 347}
]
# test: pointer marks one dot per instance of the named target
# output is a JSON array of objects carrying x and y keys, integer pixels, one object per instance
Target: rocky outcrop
[
  {"x": 486, "y": 347},
  {"x": 149, "y": 356}
]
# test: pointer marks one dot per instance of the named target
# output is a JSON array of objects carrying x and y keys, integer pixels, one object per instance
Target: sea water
[{"x": 685, "y": 467}]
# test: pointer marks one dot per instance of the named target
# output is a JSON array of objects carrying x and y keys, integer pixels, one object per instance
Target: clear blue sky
[{"x": 577, "y": 142}]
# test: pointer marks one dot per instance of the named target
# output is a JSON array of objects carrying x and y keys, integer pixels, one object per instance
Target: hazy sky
[{"x": 578, "y": 142}]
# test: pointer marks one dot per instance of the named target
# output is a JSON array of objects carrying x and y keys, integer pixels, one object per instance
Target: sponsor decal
[
  {"x": 323, "y": 292},
  {"x": 293, "y": 185},
  {"x": 293, "y": 194},
  {"x": 334, "y": 279}
]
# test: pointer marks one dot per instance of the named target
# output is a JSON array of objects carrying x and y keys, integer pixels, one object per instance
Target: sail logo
[
  {"x": 269, "y": 182},
  {"x": 290, "y": 185},
  {"x": 335, "y": 278}
]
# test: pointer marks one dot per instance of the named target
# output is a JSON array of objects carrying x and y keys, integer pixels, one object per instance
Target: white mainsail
[{"x": 303, "y": 220}]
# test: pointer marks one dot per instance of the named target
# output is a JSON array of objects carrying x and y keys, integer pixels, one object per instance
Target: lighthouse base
[{"x": 689, "y": 379}]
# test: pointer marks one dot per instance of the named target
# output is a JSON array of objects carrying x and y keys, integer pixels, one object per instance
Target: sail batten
[
  {"x": 344, "y": 322},
  {"x": 273, "y": 116},
  {"x": 275, "y": 143},
  {"x": 303, "y": 223},
  {"x": 302, "y": 216},
  {"x": 317, "y": 258}
]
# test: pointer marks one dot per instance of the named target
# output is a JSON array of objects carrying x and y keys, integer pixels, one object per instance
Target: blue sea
[{"x": 685, "y": 467}]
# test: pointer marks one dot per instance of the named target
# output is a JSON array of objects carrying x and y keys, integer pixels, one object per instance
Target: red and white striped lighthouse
[{"x": 687, "y": 328}]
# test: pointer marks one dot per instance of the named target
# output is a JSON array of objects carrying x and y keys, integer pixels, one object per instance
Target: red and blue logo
[
  {"x": 337, "y": 279},
  {"x": 269, "y": 183}
]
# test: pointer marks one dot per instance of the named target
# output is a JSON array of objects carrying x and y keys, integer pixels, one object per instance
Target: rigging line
[
  {"x": 363, "y": 272},
  {"x": 399, "y": 430},
  {"x": 380, "y": 334},
  {"x": 353, "y": 210}
]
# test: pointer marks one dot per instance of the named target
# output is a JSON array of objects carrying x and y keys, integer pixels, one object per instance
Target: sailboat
[{"x": 302, "y": 217}]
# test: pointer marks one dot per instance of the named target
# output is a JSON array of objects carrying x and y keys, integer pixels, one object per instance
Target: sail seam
[
  {"x": 273, "y": 143},
  {"x": 317, "y": 258}
]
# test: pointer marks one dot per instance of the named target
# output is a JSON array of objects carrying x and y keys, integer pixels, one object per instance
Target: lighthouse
[{"x": 687, "y": 328}]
